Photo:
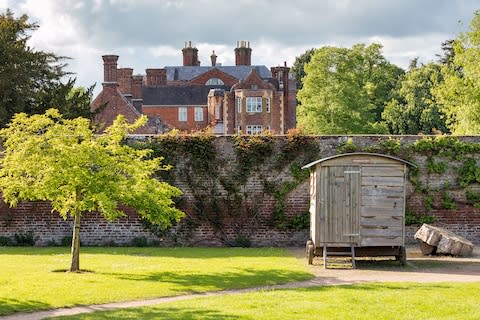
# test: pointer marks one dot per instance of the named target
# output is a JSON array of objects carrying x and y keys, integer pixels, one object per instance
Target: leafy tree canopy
[
  {"x": 344, "y": 90},
  {"x": 30, "y": 80},
  {"x": 414, "y": 109},
  {"x": 459, "y": 94},
  {"x": 298, "y": 67},
  {"x": 50, "y": 158}
]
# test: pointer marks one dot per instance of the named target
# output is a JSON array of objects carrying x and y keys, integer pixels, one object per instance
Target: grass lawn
[
  {"x": 366, "y": 301},
  {"x": 33, "y": 278}
]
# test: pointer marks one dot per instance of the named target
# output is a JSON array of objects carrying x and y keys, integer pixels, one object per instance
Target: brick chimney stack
[
  {"x": 124, "y": 77},
  {"x": 156, "y": 77},
  {"x": 213, "y": 58},
  {"x": 190, "y": 55},
  {"x": 137, "y": 82},
  {"x": 243, "y": 54},
  {"x": 110, "y": 69}
]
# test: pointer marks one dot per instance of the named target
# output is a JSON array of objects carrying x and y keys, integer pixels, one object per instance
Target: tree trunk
[{"x": 75, "y": 266}]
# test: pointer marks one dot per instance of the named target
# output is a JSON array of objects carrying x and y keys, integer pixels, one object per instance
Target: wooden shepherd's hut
[{"x": 357, "y": 206}]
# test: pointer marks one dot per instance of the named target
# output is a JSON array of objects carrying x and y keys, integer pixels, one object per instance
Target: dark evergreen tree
[{"x": 31, "y": 80}]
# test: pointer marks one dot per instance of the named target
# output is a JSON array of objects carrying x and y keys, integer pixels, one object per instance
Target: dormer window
[
  {"x": 254, "y": 87},
  {"x": 214, "y": 82}
]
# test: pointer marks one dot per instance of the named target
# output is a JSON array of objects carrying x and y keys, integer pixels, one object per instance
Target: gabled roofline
[
  {"x": 131, "y": 106},
  {"x": 253, "y": 73},
  {"x": 211, "y": 71},
  {"x": 357, "y": 154}
]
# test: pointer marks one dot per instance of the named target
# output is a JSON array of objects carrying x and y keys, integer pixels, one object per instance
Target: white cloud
[
  {"x": 163, "y": 51},
  {"x": 401, "y": 51},
  {"x": 151, "y": 33},
  {"x": 4, "y": 4}
]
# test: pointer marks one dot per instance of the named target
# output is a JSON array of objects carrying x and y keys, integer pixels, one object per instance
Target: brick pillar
[
  {"x": 156, "y": 77},
  {"x": 190, "y": 55},
  {"x": 243, "y": 54},
  {"x": 281, "y": 74},
  {"x": 110, "y": 69},
  {"x": 124, "y": 77},
  {"x": 288, "y": 100},
  {"x": 137, "y": 82}
]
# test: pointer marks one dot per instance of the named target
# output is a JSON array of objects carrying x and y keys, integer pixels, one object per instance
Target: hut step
[
  {"x": 337, "y": 253},
  {"x": 326, "y": 255}
]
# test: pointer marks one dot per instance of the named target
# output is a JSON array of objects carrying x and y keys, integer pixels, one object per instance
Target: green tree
[
  {"x": 298, "y": 67},
  {"x": 30, "y": 80},
  {"x": 344, "y": 90},
  {"x": 459, "y": 94},
  {"x": 71, "y": 101},
  {"x": 414, "y": 109},
  {"x": 50, "y": 158},
  {"x": 448, "y": 53}
]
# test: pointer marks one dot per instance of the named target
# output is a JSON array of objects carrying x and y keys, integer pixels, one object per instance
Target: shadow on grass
[
  {"x": 9, "y": 306},
  {"x": 158, "y": 313},
  {"x": 218, "y": 281}
]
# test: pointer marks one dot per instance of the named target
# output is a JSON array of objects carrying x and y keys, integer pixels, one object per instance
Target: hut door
[{"x": 343, "y": 204}]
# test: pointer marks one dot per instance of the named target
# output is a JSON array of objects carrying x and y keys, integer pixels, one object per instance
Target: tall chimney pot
[{"x": 110, "y": 68}]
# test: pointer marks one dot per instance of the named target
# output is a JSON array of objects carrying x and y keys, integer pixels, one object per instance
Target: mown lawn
[
  {"x": 34, "y": 278},
  {"x": 366, "y": 301}
]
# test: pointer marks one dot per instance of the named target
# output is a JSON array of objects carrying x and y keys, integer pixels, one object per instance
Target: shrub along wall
[{"x": 243, "y": 191}]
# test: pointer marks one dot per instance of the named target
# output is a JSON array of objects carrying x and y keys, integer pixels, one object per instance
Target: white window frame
[
  {"x": 254, "y": 104},
  {"x": 182, "y": 114},
  {"x": 217, "y": 111},
  {"x": 267, "y": 104},
  {"x": 254, "y": 129},
  {"x": 239, "y": 104},
  {"x": 198, "y": 114},
  {"x": 214, "y": 82}
]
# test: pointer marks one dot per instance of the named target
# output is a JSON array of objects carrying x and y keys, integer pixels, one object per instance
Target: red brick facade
[
  {"x": 170, "y": 115},
  {"x": 115, "y": 103},
  {"x": 164, "y": 93}
]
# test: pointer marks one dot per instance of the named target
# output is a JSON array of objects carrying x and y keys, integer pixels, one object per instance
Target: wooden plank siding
[
  {"x": 383, "y": 205},
  {"x": 362, "y": 195}
]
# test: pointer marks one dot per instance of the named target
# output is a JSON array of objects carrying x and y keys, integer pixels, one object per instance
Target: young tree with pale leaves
[{"x": 49, "y": 158}]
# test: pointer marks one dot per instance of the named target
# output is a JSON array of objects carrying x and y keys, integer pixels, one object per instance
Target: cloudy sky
[{"x": 151, "y": 33}]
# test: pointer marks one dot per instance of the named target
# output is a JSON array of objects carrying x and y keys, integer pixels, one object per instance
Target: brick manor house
[{"x": 230, "y": 99}]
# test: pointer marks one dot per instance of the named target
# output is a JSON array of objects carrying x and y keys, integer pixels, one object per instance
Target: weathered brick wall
[{"x": 252, "y": 219}]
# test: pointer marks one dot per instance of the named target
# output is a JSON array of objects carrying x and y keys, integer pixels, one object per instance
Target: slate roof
[
  {"x": 189, "y": 72},
  {"x": 169, "y": 95}
]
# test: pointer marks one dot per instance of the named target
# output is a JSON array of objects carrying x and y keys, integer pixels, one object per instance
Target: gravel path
[{"x": 419, "y": 269}]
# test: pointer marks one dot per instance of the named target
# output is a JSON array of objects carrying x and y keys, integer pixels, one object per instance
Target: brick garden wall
[{"x": 224, "y": 208}]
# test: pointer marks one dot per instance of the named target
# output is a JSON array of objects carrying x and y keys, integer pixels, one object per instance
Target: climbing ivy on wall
[
  {"x": 218, "y": 185},
  {"x": 217, "y": 182}
]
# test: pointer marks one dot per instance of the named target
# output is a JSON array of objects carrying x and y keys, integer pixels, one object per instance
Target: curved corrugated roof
[{"x": 357, "y": 154}]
